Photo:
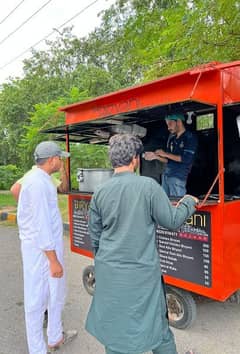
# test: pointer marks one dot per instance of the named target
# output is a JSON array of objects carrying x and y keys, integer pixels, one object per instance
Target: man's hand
[
  {"x": 149, "y": 156},
  {"x": 56, "y": 269},
  {"x": 161, "y": 153},
  {"x": 196, "y": 200}
]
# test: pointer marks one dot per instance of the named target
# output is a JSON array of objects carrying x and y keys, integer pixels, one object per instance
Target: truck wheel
[
  {"x": 88, "y": 279},
  {"x": 182, "y": 309}
]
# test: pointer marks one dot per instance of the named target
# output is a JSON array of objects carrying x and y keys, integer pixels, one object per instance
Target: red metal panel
[
  {"x": 200, "y": 83},
  {"x": 231, "y": 241},
  {"x": 202, "y": 88},
  {"x": 231, "y": 85}
]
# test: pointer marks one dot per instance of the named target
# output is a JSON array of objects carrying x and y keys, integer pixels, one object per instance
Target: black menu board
[
  {"x": 80, "y": 234},
  {"x": 184, "y": 254}
]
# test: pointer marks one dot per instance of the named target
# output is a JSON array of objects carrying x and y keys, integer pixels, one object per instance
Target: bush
[{"x": 8, "y": 175}]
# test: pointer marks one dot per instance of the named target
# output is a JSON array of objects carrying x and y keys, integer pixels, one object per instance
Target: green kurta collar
[{"x": 125, "y": 173}]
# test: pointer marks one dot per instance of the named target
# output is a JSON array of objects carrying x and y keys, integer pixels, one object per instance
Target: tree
[
  {"x": 142, "y": 40},
  {"x": 138, "y": 40},
  {"x": 47, "y": 115},
  {"x": 49, "y": 77}
]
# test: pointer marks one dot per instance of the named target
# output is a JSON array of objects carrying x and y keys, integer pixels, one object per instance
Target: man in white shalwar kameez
[{"x": 41, "y": 234}]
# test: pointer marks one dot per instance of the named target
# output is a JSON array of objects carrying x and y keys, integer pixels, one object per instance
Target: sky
[{"x": 24, "y": 23}]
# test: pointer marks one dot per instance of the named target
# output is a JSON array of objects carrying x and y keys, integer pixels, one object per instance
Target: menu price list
[
  {"x": 186, "y": 253},
  {"x": 80, "y": 235}
]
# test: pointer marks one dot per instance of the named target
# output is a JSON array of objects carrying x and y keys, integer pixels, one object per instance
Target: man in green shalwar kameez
[{"x": 128, "y": 314}]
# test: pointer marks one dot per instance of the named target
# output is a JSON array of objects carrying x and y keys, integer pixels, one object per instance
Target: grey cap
[{"x": 48, "y": 149}]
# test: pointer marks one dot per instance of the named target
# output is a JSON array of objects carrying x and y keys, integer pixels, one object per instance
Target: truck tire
[
  {"x": 182, "y": 310},
  {"x": 88, "y": 278}
]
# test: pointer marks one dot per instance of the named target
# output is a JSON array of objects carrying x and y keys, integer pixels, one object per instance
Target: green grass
[
  {"x": 63, "y": 206},
  {"x": 8, "y": 202}
]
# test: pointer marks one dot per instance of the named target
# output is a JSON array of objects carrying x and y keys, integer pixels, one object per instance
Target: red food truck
[{"x": 203, "y": 257}]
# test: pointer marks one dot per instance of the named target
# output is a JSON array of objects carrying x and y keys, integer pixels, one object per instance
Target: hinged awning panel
[{"x": 205, "y": 83}]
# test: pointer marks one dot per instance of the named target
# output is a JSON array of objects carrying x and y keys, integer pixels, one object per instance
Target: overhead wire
[
  {"x": 24, "y": 22},
  {"x": 47, "y": 36},
  {"x": 11, "y": 12}
]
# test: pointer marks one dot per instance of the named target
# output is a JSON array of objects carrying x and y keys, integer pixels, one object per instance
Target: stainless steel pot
[{"x": 90, "y": 178}]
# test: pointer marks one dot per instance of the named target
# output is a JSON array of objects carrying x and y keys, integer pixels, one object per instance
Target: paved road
[{"x": 216, "y": 331}]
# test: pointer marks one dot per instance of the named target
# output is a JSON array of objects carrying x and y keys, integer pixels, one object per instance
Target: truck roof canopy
[{"x": 197, "y": 90}]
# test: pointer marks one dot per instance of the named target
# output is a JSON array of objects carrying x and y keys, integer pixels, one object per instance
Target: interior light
[
  {"x": 189, "y": 117},
  {"x": 238, "y": 124}
]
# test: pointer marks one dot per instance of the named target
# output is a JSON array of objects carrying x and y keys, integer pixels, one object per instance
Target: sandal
[{"x": 68, "y": 336}]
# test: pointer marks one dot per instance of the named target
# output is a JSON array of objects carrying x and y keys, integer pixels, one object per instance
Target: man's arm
[
  {"x": 16, "y": 187},
  {"x": 149, "y": 156},
  {"x": 15, "y": 190},
  {"x": 63, "y": 187},
  {"x": 187, "y": 154},
  {"x": 163, "y": 154},
  {"x": 94, "y": 225},
  {"x": 164, "y": 213}
]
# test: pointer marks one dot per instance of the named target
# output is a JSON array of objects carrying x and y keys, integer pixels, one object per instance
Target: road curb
[
  {"x": 5, "y": 216},
  {"x": 12, "y": 217}
]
